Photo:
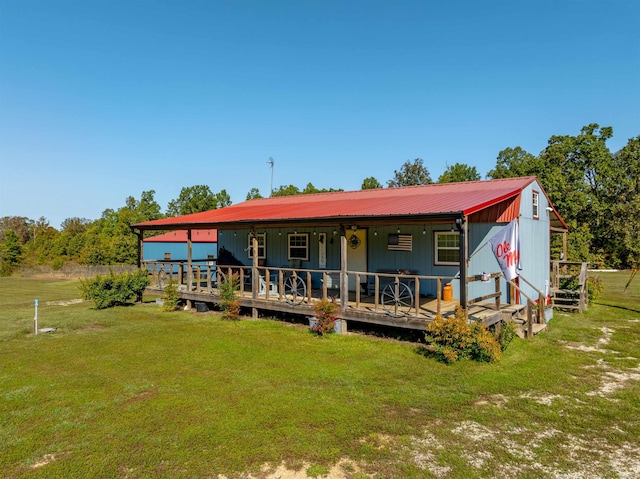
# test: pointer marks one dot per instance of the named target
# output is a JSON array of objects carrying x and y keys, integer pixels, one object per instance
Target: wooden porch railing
[{"x": 395, "y": 294}]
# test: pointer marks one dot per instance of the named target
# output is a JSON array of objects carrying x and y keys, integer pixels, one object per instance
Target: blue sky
[{"x": 100, "y": 100}]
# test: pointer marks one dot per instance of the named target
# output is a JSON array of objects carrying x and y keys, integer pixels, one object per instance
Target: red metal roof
[
  {"x": 180, "y": 236},
  {"x": 420, "y": 201}
]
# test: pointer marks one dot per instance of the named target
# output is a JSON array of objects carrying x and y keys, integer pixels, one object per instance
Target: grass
[{"x": 137, "y": 392}]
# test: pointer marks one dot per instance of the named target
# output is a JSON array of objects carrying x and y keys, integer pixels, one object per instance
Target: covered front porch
[{"x": 390, "y": 298}]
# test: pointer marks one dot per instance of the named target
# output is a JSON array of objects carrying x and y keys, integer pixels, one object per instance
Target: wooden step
[{"x": 521, "y": 329}]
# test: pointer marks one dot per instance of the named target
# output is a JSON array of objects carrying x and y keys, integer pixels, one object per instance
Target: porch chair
[{"x": 262, "y": 286}]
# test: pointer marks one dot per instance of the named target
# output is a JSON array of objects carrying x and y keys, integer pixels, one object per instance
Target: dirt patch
[
  {"x": 607, "y": 333},
  {"x": 47, "y": 459},
  {"x": 613, "y": 380},
  {"x": 343, "y": 469},
  {"x": 64, "y": 303}
]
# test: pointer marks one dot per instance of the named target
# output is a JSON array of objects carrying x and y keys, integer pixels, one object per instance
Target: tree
[
  {"x": 370, "y": 183},
  {"x": 286, "y": 190},
  {"x": 254, "y": 193},
  {"x": 459, "y": 172},
  {"x": 192, "y": 199},
  {"x": 515, "y": 162},
  {"x": 411, "y": 174},
  {"x": 75, "y": 226},
  {"x": 622, "y": 234},
  {"x": 10, "y": 251},
  {"x": 20, "y": 225},
  {"x": 595, "y": 191},
  {"x": 222, "y": 199}
]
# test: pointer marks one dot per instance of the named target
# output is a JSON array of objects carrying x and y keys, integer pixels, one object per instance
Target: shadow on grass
[{"x": 617, "y": 306}]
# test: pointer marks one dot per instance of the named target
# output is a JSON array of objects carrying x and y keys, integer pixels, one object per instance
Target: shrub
[
  {"x": 326, "y": 313},
  {"x": 505, "y": 334},
  {"x": 171, "y": 297},
  {"x": 57, "y": 263},
  {"x": 114, "y": 289},
  {"x": 454, "y": 339},
  {"x": 595, "y": 287},
  {"x": 230, "y": 302}
]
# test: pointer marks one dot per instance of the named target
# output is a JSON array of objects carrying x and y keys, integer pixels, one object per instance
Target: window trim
[
  {"x": 535, "y": 205},
  {"x": 290, "y": 236},
  {"x": 436, "y": 249},
  {"x": 263, "y": 247}
]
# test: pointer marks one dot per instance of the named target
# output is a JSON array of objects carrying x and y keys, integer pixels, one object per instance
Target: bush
[
  {"x": 454, "y": 339},
  {"x": 114, "y": 289},
  {"x": 171, "y": 297},
  {"x": 505, "y": 335},
  {"x": 230, "y": 302},
  {"x": 326, "y": 313},
  {"x": 57, "y": 263}
]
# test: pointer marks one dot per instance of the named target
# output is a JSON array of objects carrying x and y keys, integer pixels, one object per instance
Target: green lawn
[{"x": 135, "y": 392}]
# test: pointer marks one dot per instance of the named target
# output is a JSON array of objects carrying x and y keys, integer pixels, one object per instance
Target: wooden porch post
[
  {"x": 189, "y": 267},
  {"x": 140, "y": 235},
  {"x": 344, "y": 281},
  {"x": 255, "y": 285},
  {"x": 461, "y": 224}
]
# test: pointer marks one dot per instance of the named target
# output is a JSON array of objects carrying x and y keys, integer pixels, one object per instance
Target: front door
[{"x": 356, "y": 255}]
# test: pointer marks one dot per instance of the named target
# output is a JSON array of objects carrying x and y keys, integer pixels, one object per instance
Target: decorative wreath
[{"x": 354, "y": 241}]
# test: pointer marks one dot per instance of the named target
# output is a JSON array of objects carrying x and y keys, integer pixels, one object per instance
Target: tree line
[{"x": 595, "y": 190}]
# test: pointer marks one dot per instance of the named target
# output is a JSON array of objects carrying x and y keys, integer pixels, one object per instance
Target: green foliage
[
  {"x": 114, "y": 289},
  {"x": 57, "y": 263},
  {"x": 326, "y": 313},
  {"x": 454, "y": 339},
  {"x": 505, "y": 334},
  {"x": 254, "y": 194},
  {"x": 596, "y": 192},
  {"x": 11, "y": 249},
  {"x": 230, "y": 301},
  {"x": 594, "y": 286},
  {"x": 192, "y": 199},
  {"x": 171, "y": 297},
  {"x": 411, "y": 174},
  {"x": 459, "y": 172},
  {"x": 370, "y": 183},
  {"x": 291, "y": 190}
]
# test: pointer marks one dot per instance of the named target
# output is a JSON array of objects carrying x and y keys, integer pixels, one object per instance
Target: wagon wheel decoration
[
  {"x": 162, "y": 278},
  {"x": 295, "y": 290},
  {"x": 396, "y": 299},
  {"x": 217, "y": 278}
]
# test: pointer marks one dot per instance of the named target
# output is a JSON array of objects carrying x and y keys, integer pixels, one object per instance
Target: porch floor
[{"x": 363, "y": 308}]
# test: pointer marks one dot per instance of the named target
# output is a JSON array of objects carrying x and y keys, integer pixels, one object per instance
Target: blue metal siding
[
  {"x": 535, "y": 241},
  {"x": 155, "y": 251},
  {"x": 534, "y": 249},
  {"x": 483, "y": 260}
]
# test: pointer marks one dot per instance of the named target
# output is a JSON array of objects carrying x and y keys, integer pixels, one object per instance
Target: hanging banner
[{"x": 506, "y": 248}]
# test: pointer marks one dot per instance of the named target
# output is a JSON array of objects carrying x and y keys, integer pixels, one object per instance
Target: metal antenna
[{"x": 270, "y": 163}]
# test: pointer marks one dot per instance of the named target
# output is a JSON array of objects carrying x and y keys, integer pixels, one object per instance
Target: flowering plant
[{"x": 326, "y": 314}]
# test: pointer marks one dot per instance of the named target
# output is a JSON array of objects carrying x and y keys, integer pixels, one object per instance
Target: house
[
  {"x": 173, "y": 245},
  {"x": 393, "y": 256}
]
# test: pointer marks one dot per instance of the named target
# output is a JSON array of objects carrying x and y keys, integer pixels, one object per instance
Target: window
[
  {"x": 262, "y": 246},
  {"x": 298, "y": 246},
  {"x": 447, "y": 248},
  {"x": 536, "y": 205}
]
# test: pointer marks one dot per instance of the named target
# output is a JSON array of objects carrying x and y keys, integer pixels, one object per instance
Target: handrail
[{"x": 530, "y": 306}]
